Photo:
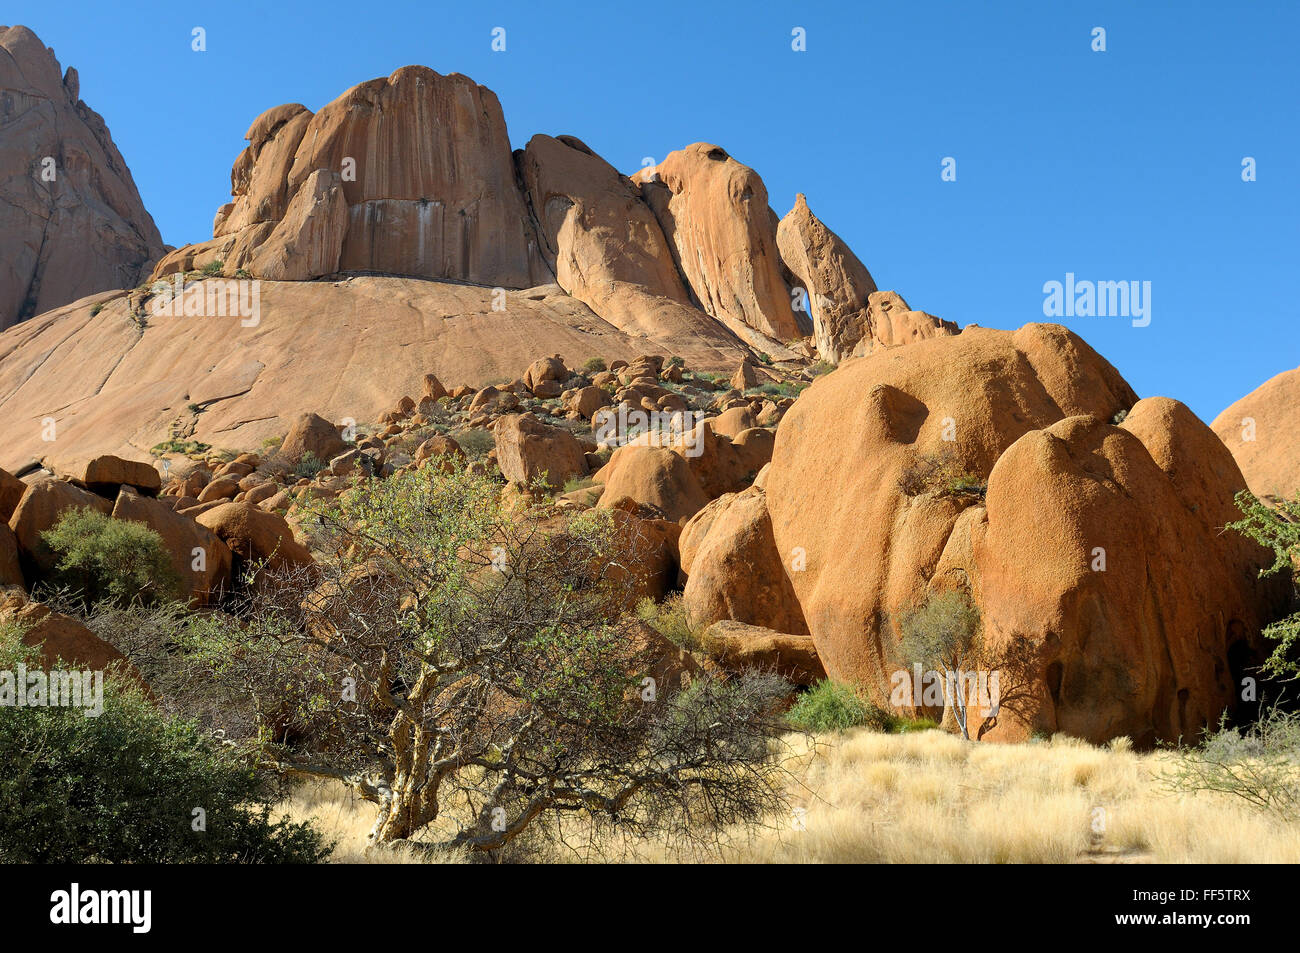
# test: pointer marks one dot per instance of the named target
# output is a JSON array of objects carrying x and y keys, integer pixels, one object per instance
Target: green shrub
[
  {"x": 1276, "y": 527},
  {"x": 106, "y": 559},
  {"x": 834, "y": 706},
  {"x": 669, "y": 619},
  {"x": 96, "y": 309},
  {"x": 124, "y": 787},
  {"x": 594, "y": 365},
  {"x": 214, "y": 268},
  {"x": 308, "y": 466},
  {"x": 821, "y": 367},
  {"x": 676, "y": 361},
  {"x": 476, "y": 443}
]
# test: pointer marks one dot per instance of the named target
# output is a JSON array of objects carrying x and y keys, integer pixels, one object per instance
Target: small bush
[
  {"x": 834, "y": 706},
  {"x": 821, "y": 367},
  {"x": 1119, "y": 418},
  {"x": 940, "y": 473},
  {"x": 123, "y": 787},
  {"x": 308, "y": 466},
  {"x": 669, "y": 619},
  {"x": 594, "y": 365},
  {"x": 188, "y": 448},
  {"x": 573, "y": 484},
  {"x": 214, "y": 268},
  {"x": 676, "y": 361},
  {"x": 106, "y": 559},
  {"x": 96, "y": 309},
  {"x": 476, "y": 443}
]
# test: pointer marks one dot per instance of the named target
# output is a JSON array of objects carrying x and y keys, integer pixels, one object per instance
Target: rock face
[
  {"x": 376, "y": 181},
  {"x": 850, "y": 317},
  {"x": 1261, "y": 431},
  {"x": 739, "y": 647},
  {"x": 715, "y": 215},
  {"x": 83, "y": 230},
  {"x": 603, "y": 242},
  {"x": 338, "y": 349},
  {"x": 61, "y": 638},
  {"x": 1029, "y": 413}
]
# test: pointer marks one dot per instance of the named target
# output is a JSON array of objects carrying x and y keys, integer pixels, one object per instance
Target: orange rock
[
  {"x": 735, "y": 571},
  {"x": 528, "y": 449},
  {"x": 1260, "y": 430},
  {"x": 652, "y": 475},
  {"x": 740, "y": 647},
  {"x": 255, "y": 534},
  {"x": 715, "y": 215},
  {"x": 62, "y": 640}
]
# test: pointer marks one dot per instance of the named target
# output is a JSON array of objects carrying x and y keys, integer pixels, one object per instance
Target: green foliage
[
  {"x": 476, "y": 443},
  {"x": 96, "y": 309},
  {"x": 123, "y": 788},
  {"x": 187, "y": 447},
  {"x": 573, "y": 484},
  {"x": 308, "y": 466},
  {"x": 764, "y": 357},
  {"x": 821, "y": 367},
  {"x": 942, "y": 632},
  {"x": 214, "y": 269},
  {"x": 1119, "y": 417},
  {"x": 670, "y": 620},
  {"x": 835, "y": 706},
  {"x": 594, "y": 365},
  {"x": 676, "y": 361},
  {"x": 1278, "y": 529},
  {"x": 106, "y": 559}
]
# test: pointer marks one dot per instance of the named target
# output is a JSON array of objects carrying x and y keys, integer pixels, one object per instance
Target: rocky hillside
[
  {"x": 335, "y": 214},
  {"x": 71, "y": 220}
]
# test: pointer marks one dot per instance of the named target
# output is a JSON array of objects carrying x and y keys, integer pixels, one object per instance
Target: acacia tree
[
  {"x": 472, "y": 668},
  {"x": 1278, "y": 528}
]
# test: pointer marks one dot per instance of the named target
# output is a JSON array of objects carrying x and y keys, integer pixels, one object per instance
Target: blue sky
[{"x": 1122, "y": 165}]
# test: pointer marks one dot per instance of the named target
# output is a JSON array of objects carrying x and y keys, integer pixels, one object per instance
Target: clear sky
[{"x": 1116, "y": 165}]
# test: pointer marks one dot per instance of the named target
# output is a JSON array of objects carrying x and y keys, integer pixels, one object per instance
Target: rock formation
[
  {"x": 71, "y": 220},
  {"x": 1097, "y": 546},
  {"x": 1262, "y": 433}
]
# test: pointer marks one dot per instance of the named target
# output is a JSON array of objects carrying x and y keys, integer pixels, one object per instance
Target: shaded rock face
[
  {"x": 715, "y": 215},
  {"x": 1261, "y": 431},
  {"x": 407, "y": 175},
  {"x": 87, "y": 229},
  {"x": 1143, "y": 647}
]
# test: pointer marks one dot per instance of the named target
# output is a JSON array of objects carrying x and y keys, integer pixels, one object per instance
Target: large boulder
[
  {"x": 313, "y": 434},
  {"x": 71, "y": 220},
  {"x": 11, "y": 491},
  {"x": 528, "y": 449},
  {"x": 201, "y": 560},
  {"x": 255, "y": 534},
  {"x": 735, "y": 571},
  {"x": 739, "y": 648},
  {"x": 652, "y": 475},
  {"x": 106, "y": 474},
  {"x": 62, "y": 640},
  {"x": 715, "y": 215},
  {"x": 1260, "y": 430},
  {"x": 1026, "y": 413},
  {"x": 38, "y": 510}
]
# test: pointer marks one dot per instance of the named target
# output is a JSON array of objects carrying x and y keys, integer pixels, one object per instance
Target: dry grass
[{"x": 930, "y": 797}]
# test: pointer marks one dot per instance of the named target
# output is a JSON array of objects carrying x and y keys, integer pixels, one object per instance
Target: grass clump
[{"x": 831, "y": 706}]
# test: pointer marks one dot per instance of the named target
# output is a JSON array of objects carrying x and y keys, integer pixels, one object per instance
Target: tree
[
  {"x": 942, "y": 634},
  {"x": 473, "y": 668},
  {"x": 1277, "y": 528}
]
